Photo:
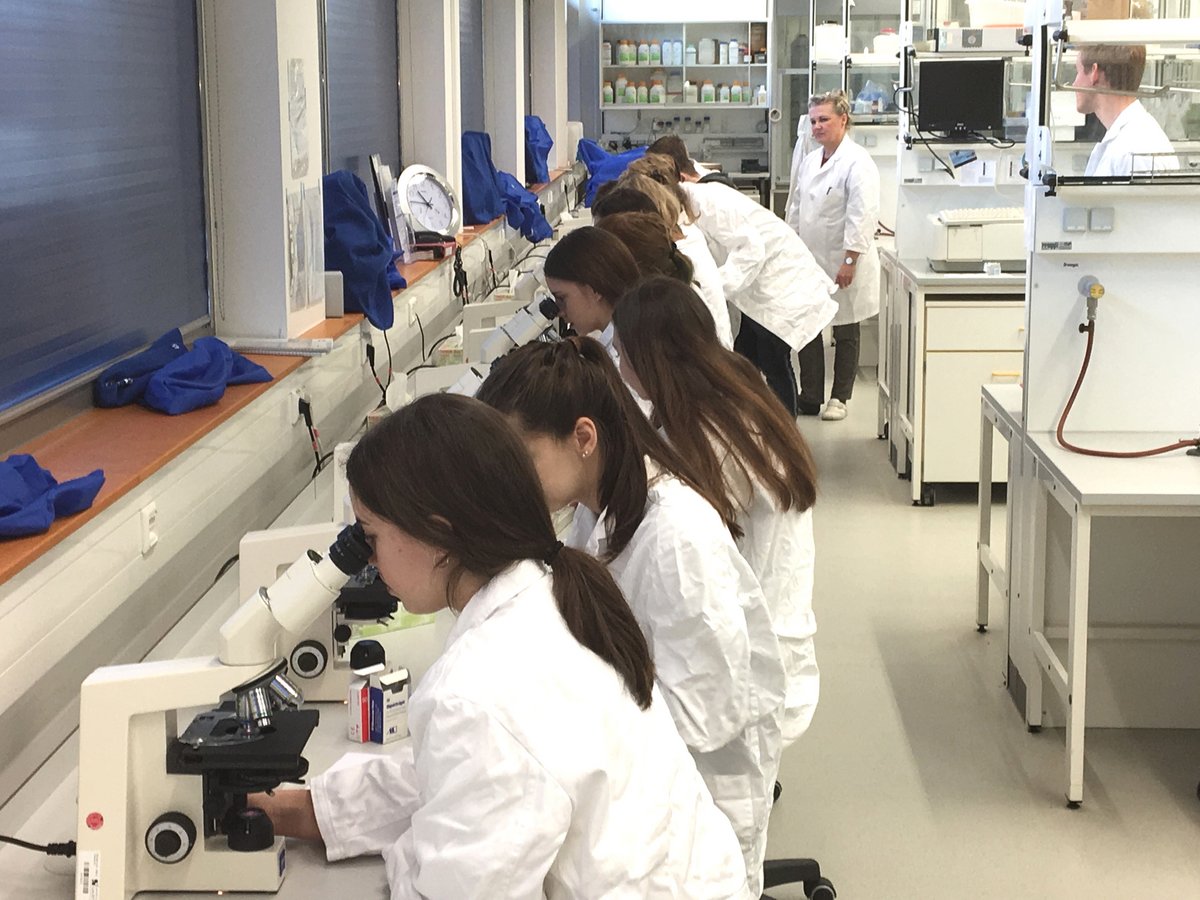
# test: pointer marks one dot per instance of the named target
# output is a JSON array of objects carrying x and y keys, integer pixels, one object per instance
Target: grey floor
[{"x": 917, "y": 778}]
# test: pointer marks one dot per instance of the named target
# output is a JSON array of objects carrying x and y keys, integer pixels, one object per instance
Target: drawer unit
[{"x": 975, "y": 326}]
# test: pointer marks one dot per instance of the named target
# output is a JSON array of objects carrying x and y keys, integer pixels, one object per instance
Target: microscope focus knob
[
  {"x": 170, "y": 838},
  {"x": 249, "y": 829},
  {"x": 308, "y": 659}
]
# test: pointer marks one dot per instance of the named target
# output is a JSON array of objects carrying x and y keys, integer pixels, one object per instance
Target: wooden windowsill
[{"x": 131, "y": 443}]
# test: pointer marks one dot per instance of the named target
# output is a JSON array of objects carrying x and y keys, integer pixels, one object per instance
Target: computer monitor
[
  {"x": 382, "y": 177},
  {"x": 960, "y": 96}
]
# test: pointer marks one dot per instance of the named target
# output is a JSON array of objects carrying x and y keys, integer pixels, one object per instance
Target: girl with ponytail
[
  {"x": 543, "y": 761},
  {"x": 745, "y": 448},
  {"x": 641, "y": 510}
]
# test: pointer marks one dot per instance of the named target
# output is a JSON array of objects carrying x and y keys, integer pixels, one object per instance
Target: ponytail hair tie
[{"x": 552, "y": 553}]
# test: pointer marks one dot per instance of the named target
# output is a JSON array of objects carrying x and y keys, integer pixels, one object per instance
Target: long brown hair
[
  {"x": 549, "y": 387},
  {"x": 594, "y": 258},
  {"x": 451, "y": 472},
  {"x": 649, "y": 240},
  {"x": 709, "y": 399}
]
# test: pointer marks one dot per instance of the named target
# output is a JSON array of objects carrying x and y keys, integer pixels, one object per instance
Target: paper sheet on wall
[
  {"x": 297, "y": 117},
  {"x": 297, "y": 230},
  {"x": 315, "y": 242},
  {"x": 977, "y": 172}
]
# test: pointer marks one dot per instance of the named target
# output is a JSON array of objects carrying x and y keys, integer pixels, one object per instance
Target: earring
[{"x": 587, "y": 453}]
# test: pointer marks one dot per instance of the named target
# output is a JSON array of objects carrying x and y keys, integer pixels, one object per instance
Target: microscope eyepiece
[{"x": 351, "y": 552}]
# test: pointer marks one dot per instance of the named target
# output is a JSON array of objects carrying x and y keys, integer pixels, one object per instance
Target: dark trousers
[
  {"x": 773, "y": 357},
  {"x": 845, "y": 366}
]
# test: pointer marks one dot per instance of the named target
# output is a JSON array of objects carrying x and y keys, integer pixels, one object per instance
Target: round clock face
[{"x": 432, "y": 208}]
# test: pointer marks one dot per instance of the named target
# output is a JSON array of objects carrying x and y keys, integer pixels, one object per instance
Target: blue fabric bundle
[
  {"x": 199, "y": 377},
  {"x": 603, "y": 166},
  {"x": 537, "y": 151},
  {"x": 125, "y": 382},
  {"x": 172, "y": 379},
  {"x": 31, "y": 499},
  {"x": 522, "y": 209},
  {"x": 357, "y": 245},
  {"x": 482, "y": 198}
]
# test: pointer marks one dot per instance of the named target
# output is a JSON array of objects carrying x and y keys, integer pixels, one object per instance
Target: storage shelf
[{"x": 610, "y": 107}]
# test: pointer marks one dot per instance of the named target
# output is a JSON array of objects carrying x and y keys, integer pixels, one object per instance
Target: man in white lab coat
[
  {"x": 766, "y": 272},
  {"x": 1107, "y": 76},
  {"x": 834, "y": 207}
]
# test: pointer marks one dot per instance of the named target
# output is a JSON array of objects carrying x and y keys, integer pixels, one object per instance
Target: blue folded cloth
[
  {"x": 357, "y": 245},
  {"x": 31, "y": 499},
  {"x": 522, "y": 209},
  {"x": 603, "y": 166},
  {"x": 125, "y": 382},
  {"x": 537, "y": 150},
  {"x": 199, "y": 377}
]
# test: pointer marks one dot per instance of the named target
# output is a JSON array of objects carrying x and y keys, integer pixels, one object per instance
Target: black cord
[
  {"x": 387, "y": 344},
  {"x": 374, "y": 374},
  {"x": 321, "y": 465},
  {"x": 426, "y": 365},
  {"x": 461, "y": 290},
  {"x": 924, "y": 140},
  {"x": 306, "y": 412},
  {"x": 225, "y": 567},
  {"x": 998, "y": 144},
  {"x": 492, "y": 269},
  {"x": 438, "y": 343},
  {"x": 66, "y": 848},
  {"x": 422, "y": 330}
]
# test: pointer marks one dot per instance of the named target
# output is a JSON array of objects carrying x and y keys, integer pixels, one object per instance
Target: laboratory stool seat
[
  {"x": 777, "y": 872},
  {"x": 806, "y": 872}
]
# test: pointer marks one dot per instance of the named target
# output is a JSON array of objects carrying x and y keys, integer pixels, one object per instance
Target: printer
[{"x": 964, "y": 239}]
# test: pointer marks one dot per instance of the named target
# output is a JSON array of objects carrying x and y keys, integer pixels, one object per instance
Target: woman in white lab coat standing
[
  {"x": 834, "y": 206},
  {"x": 544, "y": 763},
  {"x": 696, "y": 599},
  {"x": 745, "y": 448}
]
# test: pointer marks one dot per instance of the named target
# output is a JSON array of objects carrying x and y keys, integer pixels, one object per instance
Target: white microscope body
[{"x": 160, "y": 810}]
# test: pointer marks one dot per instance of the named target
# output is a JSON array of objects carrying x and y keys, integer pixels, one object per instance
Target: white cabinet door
[{"x": 952, "y": 408}]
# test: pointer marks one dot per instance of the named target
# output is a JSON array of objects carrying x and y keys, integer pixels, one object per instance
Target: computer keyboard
[{"x": 984, "y": 216}]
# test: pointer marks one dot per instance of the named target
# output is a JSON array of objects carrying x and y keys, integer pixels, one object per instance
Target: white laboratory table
[
  {"x": 1087, "y": 488},
  {"x": 1001, "y": 406},
  {"x": 50, "y": 796},
  {"x": 946, "y": 335}
]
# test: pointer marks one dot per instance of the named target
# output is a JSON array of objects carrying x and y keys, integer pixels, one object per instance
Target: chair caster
[
  {"x": 822, "y": 889},
  {"x": 982, "y": 629},
  {"x": 1034, "y": 729},
  {"x": 1074, "y": 804}
]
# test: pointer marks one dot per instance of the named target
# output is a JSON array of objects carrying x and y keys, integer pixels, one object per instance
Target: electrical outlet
[
  {"x": 293, "y": 406},
  {"x": 149, "y": 519}
]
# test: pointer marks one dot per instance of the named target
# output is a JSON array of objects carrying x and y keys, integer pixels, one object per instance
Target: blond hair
[
  {"x": 663, "y": 171},
  {"x": 837, "y": 99}
]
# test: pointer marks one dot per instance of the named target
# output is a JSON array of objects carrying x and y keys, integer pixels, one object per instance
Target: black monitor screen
[
  {"x": 383, "y": 189},
  {"x": 958, "y": 96}
]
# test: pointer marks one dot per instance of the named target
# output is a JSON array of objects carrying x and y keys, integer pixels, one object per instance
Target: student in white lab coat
[
  {"x": 1131, "y": 130},
  {"x": 543, "y": 763},
  {"x": 587, "y": 272},
  {"x": 719, "y": 415},
  {"x": 694, "y": 596},
  {"x": 766, "y": 272},
  {"x": 634, "y": 192},
  {"x": 834, "y": 206}
]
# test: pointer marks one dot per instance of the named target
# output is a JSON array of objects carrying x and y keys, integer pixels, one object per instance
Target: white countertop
[
  {"x": 1172, "y": 479},
  {"x": 1005, "y": 283},
  {"x": 1007, "y": 401}
]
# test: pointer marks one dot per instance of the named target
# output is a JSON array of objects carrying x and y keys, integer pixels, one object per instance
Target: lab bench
[{"x": 942, "y": 336}]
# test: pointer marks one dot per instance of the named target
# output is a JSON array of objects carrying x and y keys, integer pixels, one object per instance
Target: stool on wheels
[{"x": 806, "y": 872}]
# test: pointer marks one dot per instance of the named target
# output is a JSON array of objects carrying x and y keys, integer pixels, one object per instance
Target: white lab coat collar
[
  {"x": 589, "y": 532},
  {"x": 495, "y": 595},
  {"x": 1123, "y": 120}
]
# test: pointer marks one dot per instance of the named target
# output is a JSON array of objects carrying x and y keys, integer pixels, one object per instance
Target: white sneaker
[{"x": 834, "y": 411}]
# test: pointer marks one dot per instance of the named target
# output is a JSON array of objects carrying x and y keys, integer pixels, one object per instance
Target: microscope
[
  {"x": 319, "y": 655},
  {"x": 161, "y": 810}
]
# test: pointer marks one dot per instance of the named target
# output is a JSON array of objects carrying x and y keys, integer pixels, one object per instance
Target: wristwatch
[{"x": 850, "y": 260}]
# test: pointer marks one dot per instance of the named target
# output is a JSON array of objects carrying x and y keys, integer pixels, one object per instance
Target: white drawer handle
[
  {"x": 1006, "y": 374},
  {"x": 1022, "y": 328}
]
